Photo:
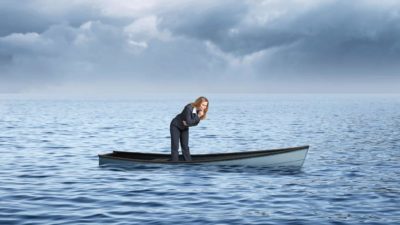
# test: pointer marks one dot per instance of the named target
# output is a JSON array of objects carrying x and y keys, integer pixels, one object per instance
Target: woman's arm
[{"x": 191, "y": 119}]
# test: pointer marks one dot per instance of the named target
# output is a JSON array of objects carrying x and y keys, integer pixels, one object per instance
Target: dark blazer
[{"x": 192, "y": 119}]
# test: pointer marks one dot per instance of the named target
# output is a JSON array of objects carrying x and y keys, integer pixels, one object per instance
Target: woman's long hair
[{"x": 197, "y": 104}]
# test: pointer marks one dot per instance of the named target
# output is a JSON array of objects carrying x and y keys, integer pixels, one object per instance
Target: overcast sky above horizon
[{"x": 206, "y": 46}]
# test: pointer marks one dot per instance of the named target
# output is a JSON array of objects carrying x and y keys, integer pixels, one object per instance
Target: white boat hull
[{"x": 290, "y": 159}]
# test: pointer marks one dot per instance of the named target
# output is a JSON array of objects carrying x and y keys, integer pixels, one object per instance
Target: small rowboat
[{"x": 285, "y": 157}]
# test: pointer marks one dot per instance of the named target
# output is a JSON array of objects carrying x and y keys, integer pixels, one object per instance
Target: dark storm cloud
[
  {"x": 336, "y": 31},
  {"x": 209, "y": 22},
  {"x": 346, "y": 38},
  {"x": 222, "y": 25},
  {"x": 262, "y": 44}
]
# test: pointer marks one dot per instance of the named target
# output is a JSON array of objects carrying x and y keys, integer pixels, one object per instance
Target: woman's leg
[
  {"x": 185, "y": 144},
  {"x": 175, "y": 134}
]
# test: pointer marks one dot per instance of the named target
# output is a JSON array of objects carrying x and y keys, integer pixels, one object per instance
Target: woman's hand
[{"x": 200, "y": 113}]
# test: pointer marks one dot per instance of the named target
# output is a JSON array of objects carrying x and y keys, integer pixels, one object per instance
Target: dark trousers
[{"x": 182, "y": 135}]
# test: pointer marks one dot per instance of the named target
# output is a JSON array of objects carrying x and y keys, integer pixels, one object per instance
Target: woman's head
[{"x": 202, "y": 104}]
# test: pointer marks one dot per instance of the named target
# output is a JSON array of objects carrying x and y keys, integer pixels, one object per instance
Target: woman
[{"x": 179, "y": 127}]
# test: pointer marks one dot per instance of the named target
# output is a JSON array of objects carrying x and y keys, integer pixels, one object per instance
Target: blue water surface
[{"x": 49, "y": 172}]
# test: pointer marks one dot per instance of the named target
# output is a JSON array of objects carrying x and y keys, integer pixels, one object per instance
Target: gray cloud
[
  {"x": 249, "y": 46},
  {"x": 335, "y": 38},
  {"x": 36, "y": 16}
]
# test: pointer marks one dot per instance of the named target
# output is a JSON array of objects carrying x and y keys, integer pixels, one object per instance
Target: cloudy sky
[{"x": 205, "y": 46}]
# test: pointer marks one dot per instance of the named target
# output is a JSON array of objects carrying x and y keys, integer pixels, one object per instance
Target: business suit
[{"x": 180, "y": 132}]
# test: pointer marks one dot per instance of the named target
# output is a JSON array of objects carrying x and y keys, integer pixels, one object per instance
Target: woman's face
[{"x": 203, "y": 106}]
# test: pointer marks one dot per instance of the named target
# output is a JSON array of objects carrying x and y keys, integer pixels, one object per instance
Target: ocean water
[{"x": 49, "y": 172}]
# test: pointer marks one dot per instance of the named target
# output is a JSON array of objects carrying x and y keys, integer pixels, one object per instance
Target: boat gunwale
[{"x": 223, "y": 156}]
